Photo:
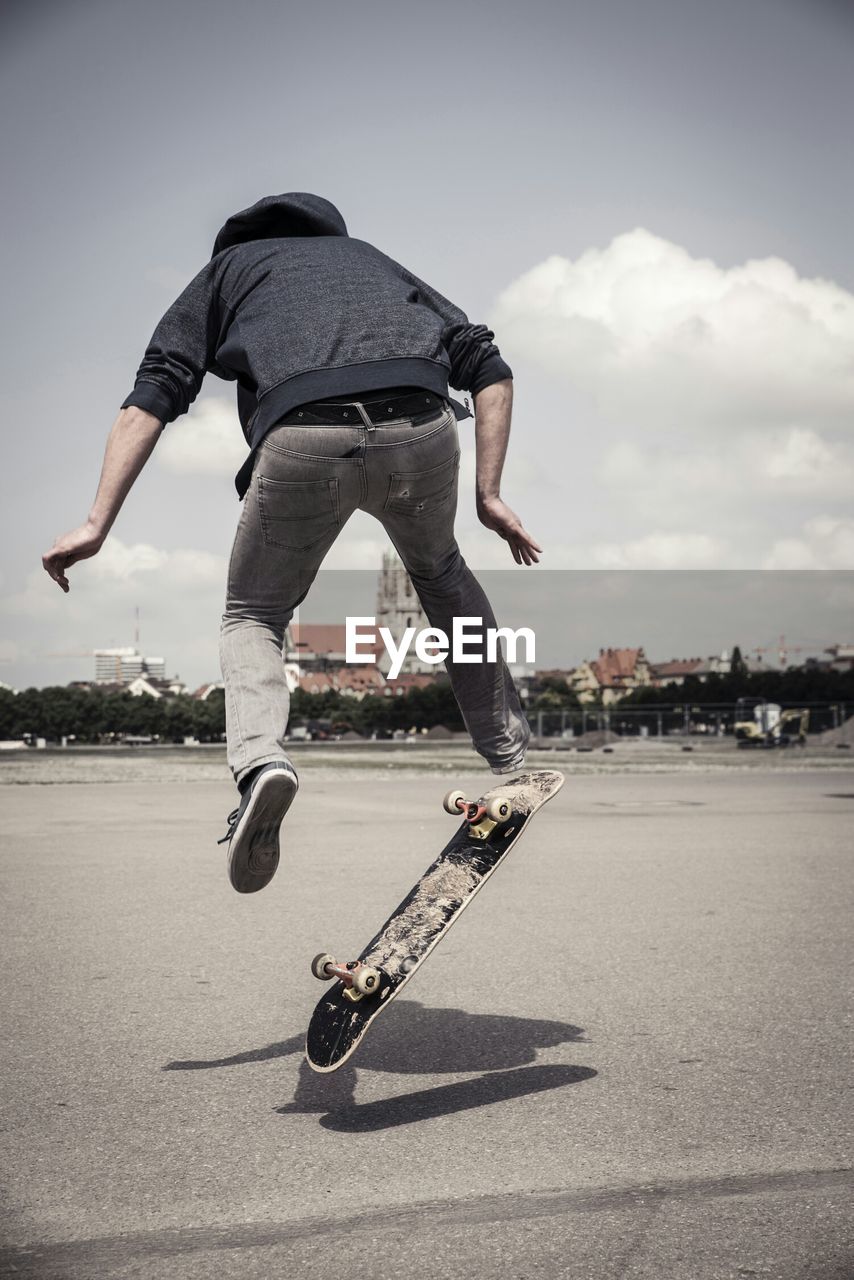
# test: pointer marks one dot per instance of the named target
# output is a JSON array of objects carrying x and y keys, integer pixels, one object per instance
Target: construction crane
[
  {"x": 781, "y": 649},
  {"x": 785, "y": 650}
]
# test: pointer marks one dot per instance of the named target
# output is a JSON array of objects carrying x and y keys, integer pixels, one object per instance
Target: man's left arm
[{"x": 474, "y": 358}]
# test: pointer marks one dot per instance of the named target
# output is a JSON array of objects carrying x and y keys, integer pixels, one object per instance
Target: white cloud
[
  {"x": 40, "y": 598},
  {"x": 659, "y": 337},
  {"x": 700, "y": 401},
  {"x": 176, "y": 596},
  {"x": 196, "y": 569},
  {"x": 802, "y": 460},
  {"x": 119, "y": 561},
  {"x": 120, "y": 564},
  {"x": 206, "y": 441},
  {"x": 660, "y": 551},
  {"x": 357, "y": 553},
  {"x": 826, "y": 542},
  {"x": 139, "y": 570},
  {"x": 664, "y": 481}
]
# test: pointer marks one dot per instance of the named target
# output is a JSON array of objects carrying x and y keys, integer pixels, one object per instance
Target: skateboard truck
[
  {"x": 359, "y": 979},
  {"x": 482, "y": 818}
]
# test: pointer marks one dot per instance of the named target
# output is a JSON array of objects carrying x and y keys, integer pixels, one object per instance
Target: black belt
[{"x": 416, "y": 404}]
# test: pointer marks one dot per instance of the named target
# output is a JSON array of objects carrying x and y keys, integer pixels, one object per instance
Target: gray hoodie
[{"x": 293, "y": 309}]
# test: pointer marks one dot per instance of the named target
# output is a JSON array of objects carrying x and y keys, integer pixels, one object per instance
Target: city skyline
[{"x": 607, "y": 610}]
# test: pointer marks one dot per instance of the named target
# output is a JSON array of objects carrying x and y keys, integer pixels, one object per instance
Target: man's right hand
[
  {"x": 496, "y": 515},
  {"x": 80, "y": 544}
]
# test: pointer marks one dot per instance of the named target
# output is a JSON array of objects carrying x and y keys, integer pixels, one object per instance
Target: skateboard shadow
[
  {"x": 446, "y": 1099},
  {"x": 279, "y": 1049},
  {"x": 421, "y": 1040}
]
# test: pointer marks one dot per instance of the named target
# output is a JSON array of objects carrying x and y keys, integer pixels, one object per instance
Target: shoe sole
[{"x": 253, "y": 854}]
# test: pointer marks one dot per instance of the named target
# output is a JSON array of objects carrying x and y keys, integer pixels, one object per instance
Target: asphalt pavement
[{"x": 630, "y": 1058}]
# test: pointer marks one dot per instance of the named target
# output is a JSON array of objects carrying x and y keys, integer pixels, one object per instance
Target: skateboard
[{"x": 364, "y": 987}]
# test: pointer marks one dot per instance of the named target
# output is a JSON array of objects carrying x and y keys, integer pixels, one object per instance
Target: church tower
[{"x": 398, "y": 607}]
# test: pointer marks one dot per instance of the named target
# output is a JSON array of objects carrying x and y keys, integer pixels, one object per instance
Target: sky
[{"x": 649, "y": 201}]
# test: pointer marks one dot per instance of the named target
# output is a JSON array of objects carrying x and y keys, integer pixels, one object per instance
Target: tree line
[{"x": 94, "y": 715}]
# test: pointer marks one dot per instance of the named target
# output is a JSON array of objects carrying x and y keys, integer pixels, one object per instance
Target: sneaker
[
  {"x": 253, "y": 827},
  {"x": 518, "y": 763}
]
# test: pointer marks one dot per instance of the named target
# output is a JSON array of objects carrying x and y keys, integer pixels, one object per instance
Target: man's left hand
[{"x": 80, "y": 544}]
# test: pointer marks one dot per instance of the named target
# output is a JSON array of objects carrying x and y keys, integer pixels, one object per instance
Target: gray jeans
[{"x": 306, "y": 483}]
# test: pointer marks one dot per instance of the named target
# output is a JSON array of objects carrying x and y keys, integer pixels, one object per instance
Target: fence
[{"x": 712, "y": 718}]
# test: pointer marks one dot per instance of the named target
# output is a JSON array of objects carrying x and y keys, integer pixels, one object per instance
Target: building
[
  {"x": 718, "y": 665},
  {"x": 611, "y": 676},
  {"x": 676, "y": 671},
  {"x": 322, "y": 647},
  {"x": 409, "y": 680},
  {"x": 155, "y": 687},
  {"x": 353, "y": 682},
  {"x": 151, "y": 685},
  {"x": 204, "y": 691},
  {"x": 841, "y": 657},
  {"x": 122, "y": 666},
  {"x": 398, "y": 607},
  {"x": 317, "y": 682},
  {"x": 358, "y": 682},
  {"x": 316, "y": 646}
]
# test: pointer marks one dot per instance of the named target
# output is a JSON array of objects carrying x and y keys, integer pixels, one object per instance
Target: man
[{"x": 342, "y": 360}]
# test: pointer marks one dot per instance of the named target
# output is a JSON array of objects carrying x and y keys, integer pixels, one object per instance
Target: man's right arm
[
  {"x": 477, "y": 367},
  {"x": 493, "y": 407}
]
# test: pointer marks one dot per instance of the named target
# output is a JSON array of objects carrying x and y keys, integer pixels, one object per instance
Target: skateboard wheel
[
  {"x": 453, "y": 801},
  {"x": 319, "y": 966},
  {"x": 498, "y": 810},
  {"x": 366, "y": 981}
]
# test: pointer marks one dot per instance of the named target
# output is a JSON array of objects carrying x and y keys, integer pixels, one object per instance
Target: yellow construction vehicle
[{"x": 759, "y": 723}]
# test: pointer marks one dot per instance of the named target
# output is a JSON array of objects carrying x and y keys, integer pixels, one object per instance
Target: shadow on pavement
[
  {"x": 280, "y": 1049},
  {"x": 446, "y": 1099},
  {"x": 423, "y": 1040},
  {"x": 420, "y": 1040}
]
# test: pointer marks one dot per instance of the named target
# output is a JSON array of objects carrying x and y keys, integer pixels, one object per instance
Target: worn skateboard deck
[{"x": 426, "y": 914}]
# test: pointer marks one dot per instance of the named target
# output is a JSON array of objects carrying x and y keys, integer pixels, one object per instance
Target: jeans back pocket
[
  {"x": 296, "y": 514},
  {"x": 418, "y": 493}
]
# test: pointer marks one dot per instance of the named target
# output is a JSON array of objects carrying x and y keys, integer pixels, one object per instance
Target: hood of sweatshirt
[{"x": 296, "y": 213}]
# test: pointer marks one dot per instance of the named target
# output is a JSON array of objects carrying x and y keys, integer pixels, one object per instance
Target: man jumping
[{"x": 342, "y": 360}]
